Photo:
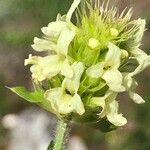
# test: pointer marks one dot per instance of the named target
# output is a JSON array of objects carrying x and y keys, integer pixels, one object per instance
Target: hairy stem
[{"x": 60, "y": 135}]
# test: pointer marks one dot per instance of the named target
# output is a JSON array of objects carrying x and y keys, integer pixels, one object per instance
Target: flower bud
[
  {"x": 114, "y": 32},
  {"x": 93, "y": 43}
]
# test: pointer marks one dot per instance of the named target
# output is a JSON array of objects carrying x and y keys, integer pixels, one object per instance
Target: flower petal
[
  {"x": 113, "y": 56},
  {"x": 72, "y": 9},
  {"x": 60, "y": 18},
  {"x": 136, "y": 98},
  {"x": 43, "y": 45},
  {"x": 67, "y": 70},
  {"x": 32, "y": 60},
  {"x": 53, "y": 95},
  {"x": 113, "y": 116},
  {"x": 54, "y": 29},
  {"x": 64, "y": 103},
  {"x": 95, "y": 71},
  {"x": 113, "y": 79},
  {"x": 143, "y": 59},
  {"x": 64, "y": 41},
  {"x": 78, "y": 105},
  {"x": 140, "y": 23},
  {"x": 131, "y": 85},
  {"x": 44, "y": 67},
  {"x": 68, "y": 104},
  {"x": 117, "y": 119},
  {"x": 72, "y": 84}
]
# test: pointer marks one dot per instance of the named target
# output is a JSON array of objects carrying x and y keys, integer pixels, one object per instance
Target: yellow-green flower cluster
[{"x": 89, "y": 63}]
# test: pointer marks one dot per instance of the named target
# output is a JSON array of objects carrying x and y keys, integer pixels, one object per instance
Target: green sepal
[
  {"x": 89, "y": 56},
  {"x": 91, "y": 115},
  {"x": 91, "y": 85},
  {"x": 103, "y": 125},
  {"x": 55, "y": 81},
  {"x": 129, "y": 65},
  {"x": 33, "y": 97},
  {"x": 91, "y": 119}
]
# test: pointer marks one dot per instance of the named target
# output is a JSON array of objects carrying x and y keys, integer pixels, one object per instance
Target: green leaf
[
  {"x": 129, "y": 65},
  {"x": 33, "y": 97}
]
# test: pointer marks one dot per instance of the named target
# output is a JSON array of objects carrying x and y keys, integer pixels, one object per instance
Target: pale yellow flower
[
  {"x": 129, "y": 82},
  {"x": 58, "y": 36},
  {"x": 131, "y": 85},
  {"x": 109, "y": 108},
  {"x": 65, "y": 99},
  {"x": 142, "y": 58},
  {"x": 64, "y": 103},
  {"x": 41, "y": 66},
  {"x": 108, "y": 69}
]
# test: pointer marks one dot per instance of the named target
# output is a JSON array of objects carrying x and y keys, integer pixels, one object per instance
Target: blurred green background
[{"x": 20, "y": 22}]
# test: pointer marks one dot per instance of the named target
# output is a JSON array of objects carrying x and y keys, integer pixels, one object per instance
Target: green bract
[{"x": 88, "y": 64}]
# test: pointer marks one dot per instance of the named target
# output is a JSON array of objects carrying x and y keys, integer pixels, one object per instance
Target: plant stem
[{"x": 60, "y": 134}]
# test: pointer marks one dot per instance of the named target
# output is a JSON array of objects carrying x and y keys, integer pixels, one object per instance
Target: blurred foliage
[{"x": 20, "y": 21}]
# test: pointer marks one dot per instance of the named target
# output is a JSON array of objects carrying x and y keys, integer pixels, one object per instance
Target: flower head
[{"x": 89, "y": 63}]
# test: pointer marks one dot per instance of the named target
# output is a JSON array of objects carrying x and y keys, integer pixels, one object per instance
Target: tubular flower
[
  {"x": 57, "y": 38},
  {"x": 65, "y": 99},
  {"x": 109, "y": 108},
  {"x": 87, "y": 64},
  {"x": 108, "y": 69}
]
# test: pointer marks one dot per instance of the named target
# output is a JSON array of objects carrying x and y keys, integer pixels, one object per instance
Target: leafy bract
[{"x": 33, "y": 97}]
